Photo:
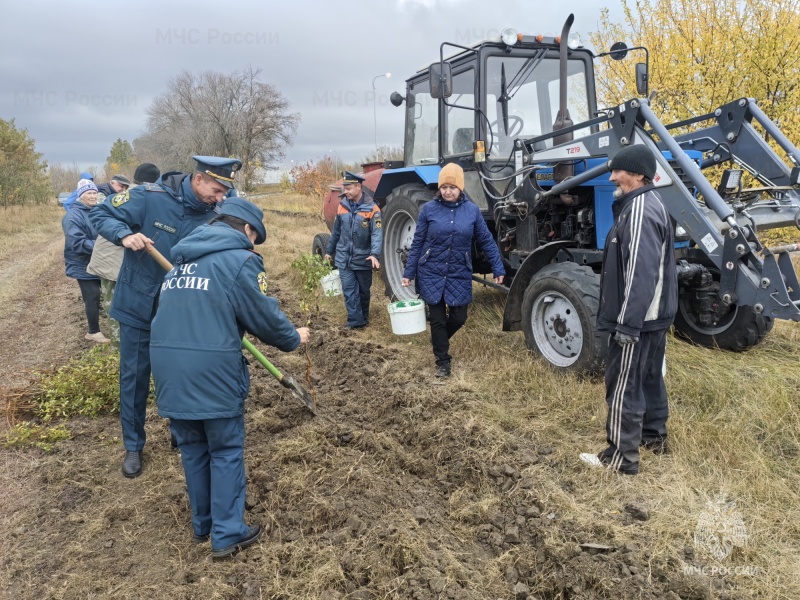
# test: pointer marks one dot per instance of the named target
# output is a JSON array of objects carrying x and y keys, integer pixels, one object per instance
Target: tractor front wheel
[{"x": 739, "y": 330}]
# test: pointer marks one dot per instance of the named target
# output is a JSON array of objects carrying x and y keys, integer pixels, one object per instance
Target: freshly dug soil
[{"x": 393, "y": 491}]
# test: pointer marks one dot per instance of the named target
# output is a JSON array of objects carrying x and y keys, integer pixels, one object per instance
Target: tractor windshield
[{"x": 532, "y": 95}]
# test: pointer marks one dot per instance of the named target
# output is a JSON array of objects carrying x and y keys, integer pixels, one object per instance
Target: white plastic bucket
[
  {"x": 331, "y": 284},
  {"x": 407, "y": 317}
]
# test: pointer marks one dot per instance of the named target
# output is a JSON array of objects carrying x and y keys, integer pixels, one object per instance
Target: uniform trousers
[
  {"x": 636, "y": 397},
  {"x": 356, "y": 286},
  {"x": 134, "y": 384},
  {"x": 212, "y": 452}
]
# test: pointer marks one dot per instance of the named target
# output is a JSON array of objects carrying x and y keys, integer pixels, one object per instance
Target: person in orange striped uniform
[{"x": 355, "y": 242}]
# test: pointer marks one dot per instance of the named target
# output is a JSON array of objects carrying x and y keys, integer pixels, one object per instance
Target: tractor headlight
[
  {"x": 731, "y": 181},
  {"x": 508, "y": 36},
  {"x": 574, "y": 40}
]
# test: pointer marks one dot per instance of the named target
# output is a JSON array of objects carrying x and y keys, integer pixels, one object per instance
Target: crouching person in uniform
[{"x": 216, "y": 292}]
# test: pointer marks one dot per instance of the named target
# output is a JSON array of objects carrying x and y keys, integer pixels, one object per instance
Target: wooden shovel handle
[{"x": 159, "y": 258}]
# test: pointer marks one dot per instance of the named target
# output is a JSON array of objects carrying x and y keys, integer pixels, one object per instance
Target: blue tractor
[{"x": 519, "y": 115}]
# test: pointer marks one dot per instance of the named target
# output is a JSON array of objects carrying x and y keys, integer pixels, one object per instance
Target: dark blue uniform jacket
[
  {"x": 356, "y": 234},
  {"x": 166, "y": 212},
  {"x": 215, "y": 292},
  {"x": 440, "y": 258},
  {"x": 79, "y": 237}
]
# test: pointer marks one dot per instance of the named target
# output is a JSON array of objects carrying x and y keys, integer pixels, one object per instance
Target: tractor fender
[
  {"x": 536, "y": 260},
  {"x": 393, "y": 178}
]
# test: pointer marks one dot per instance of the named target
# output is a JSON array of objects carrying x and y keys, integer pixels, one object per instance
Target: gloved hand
[{"x": 623, "y": 339}]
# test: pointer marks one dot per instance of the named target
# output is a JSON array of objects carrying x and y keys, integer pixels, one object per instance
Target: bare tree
[{"x": 221, "y": 115}]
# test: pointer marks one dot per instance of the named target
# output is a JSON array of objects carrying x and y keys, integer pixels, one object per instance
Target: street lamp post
[{"x": 375, "y": 106}]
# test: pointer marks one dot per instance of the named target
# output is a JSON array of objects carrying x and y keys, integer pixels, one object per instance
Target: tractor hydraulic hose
[{"x": 570, "y": 183}]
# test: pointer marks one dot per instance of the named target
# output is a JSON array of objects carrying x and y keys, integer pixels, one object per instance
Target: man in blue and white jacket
[{"x": 638, "y": 302}]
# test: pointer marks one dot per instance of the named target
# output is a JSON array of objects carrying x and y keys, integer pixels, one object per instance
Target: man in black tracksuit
[{"x": 638, "y": 302}]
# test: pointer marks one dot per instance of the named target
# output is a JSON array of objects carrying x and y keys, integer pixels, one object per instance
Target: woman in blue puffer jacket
[
  {"x": 440, "y": 260},
  {"x": 79, "y": 237}
]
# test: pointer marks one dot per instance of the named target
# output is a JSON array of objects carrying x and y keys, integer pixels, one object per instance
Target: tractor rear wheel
[
  {"x": 559, "y": 314},
  {"x": 739, "y": 330},
  {"x": 400, "y": 215}
]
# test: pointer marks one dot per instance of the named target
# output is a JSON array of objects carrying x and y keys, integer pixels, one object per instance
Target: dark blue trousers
[
  {"x": 134, "y": 384},
  {"x": 356, "y": 287},
  {"x": 637, "y": 398},
  {"x": 212, "y": 452}
]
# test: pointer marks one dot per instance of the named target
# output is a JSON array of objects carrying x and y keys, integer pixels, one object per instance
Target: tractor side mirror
[
  {"x": 441, "y": 78},
  {"x": 641, "y": 79},
  {"x": 396, "y": 99}
]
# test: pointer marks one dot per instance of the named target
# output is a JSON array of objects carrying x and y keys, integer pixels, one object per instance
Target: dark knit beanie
[
  {"x": 635, "y": 159},
  {"x": 146, "y": 173}
]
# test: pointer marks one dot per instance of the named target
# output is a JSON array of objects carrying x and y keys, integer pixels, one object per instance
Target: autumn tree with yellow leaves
[{"x": 705, "y": 53}]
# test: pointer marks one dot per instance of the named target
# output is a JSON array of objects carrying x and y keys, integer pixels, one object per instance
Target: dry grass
[
  {"x": 25, "y": 227},
  {"x": 30, "y": 239},
  {"x": 734, "y": 433}
]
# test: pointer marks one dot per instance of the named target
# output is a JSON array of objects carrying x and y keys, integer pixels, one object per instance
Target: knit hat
[
  {"x": 452, "y": 174},
  {"x": 85, "y": 185},
  {"x": 247, "y": 212},
  {"x": 146, "y": 173},
  {"x": 635, "y": 159}
]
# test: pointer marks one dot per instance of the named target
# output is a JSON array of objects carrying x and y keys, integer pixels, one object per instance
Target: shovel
[{"x": 287, "y": 382}]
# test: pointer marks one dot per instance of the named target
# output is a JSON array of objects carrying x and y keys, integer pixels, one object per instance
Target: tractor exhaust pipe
[{"x": 561, "y": 171}]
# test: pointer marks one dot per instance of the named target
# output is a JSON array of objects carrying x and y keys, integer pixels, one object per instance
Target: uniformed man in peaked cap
[
  {"x": 160, "y": 214},
  {"x": 356, "y": 240}
]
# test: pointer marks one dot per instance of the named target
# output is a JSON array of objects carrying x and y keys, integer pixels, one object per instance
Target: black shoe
[
  {"x": 173, "y": 441},
  {"x": 360, "y": 326},
  {"x": 251, "y": 537},
  {"x": 657, "y": 446},
  {"x": 132, "y": 464},
  {"x": 201, "y": 539},
  {"x": 443, "y": 370}
]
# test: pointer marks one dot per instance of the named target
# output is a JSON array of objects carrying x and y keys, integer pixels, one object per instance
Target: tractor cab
[
  {"x": 476, "y": 104},
  {"x": 495, "y": 93}
]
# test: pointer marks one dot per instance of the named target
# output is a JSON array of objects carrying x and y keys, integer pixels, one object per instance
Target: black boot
[
  {"x": 251, "y": 537},
  {"x": 132, "y": 464},
  {"x": 443, "y": 370}
]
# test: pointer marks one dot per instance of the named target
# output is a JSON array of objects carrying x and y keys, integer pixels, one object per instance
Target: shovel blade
[{"x": 299, "y": 392}]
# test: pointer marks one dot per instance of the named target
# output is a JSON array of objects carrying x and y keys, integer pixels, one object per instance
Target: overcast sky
[{"x": 78, "y": 75}]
